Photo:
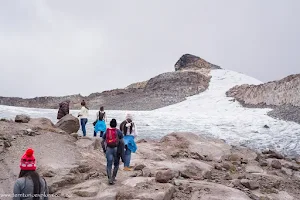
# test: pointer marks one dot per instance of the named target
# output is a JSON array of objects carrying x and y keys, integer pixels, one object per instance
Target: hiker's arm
[
  {"x": 103, "y": 142},
  {"x": 17, "y": 191}
]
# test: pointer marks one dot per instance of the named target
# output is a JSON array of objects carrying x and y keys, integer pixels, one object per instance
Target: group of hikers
[{"x": 117, "y": 144}]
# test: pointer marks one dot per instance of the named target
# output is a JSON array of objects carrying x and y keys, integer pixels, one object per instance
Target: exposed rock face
[
  {"x": 139, "y": 85},
  {"x": 22, "y": 119},
  {"x": 276, "y": 93},
  {"x": 191, "y": 77},
  {"x": 188, "y": 61},
  {"x": 69, "y": 124},
  {"x": 283, "y": 95},
  {"x": 183, "y": 83}
]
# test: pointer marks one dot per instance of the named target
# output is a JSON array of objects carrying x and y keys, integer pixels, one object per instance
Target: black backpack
[{"x": 101, "y": 115}]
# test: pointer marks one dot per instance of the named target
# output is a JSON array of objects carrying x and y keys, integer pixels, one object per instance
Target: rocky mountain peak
[{"x": 189, "y": 61}]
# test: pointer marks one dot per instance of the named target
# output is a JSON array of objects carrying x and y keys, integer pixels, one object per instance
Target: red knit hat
[{"x": 28, "y": 160}]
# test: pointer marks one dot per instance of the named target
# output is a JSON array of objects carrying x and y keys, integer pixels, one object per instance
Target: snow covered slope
[
  {"x": 209, "y": 113},
  {"x": 215, "y": 114}
]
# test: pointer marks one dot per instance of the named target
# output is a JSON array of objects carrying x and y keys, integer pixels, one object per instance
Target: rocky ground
[
  {"x": 191, "y": 76},
  {"x": 282, "y": 95},
  {"x": 181, "y": 166}
]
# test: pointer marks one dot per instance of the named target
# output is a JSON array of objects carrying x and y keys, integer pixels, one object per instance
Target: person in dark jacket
[
  {"x": 113, "y": 153},
  {"x": 63, "y": 109},
  {"x": 29, "y": 185}
]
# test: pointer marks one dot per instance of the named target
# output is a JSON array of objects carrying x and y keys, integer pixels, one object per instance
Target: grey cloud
[{"x": 69, "y": 47}]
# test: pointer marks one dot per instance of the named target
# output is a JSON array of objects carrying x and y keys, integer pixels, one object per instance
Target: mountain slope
[
  {"x": 282, "y": 95},
  {"x": 162, "y": 90}
]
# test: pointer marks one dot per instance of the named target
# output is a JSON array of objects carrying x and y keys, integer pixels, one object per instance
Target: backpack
[
  {"x": 128, "y": 124},
  {"x": 112, "y": 138},
  {"x": 101, "y": 115}
]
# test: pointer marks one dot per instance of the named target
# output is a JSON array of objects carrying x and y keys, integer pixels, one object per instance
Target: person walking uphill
[
  {"x": 99, "y": 124},
  {"x": 111, "y": 143},
  {"x": 29, "y": 185},
  {"x": 129, "y": 130},
  {"x": 63, "y": 109},
  {"x": 83, "y": 114}
]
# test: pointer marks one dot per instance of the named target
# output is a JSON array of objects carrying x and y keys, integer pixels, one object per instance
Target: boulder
[
  {"x": 276, "y": 164},
  {"x": 164, "y": 176},
  {"x": 22, "y": 118},
  {"x": 69, "y": 124},
  {"x": 42, "y": 122}
]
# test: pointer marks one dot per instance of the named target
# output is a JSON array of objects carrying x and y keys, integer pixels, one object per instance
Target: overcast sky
[{"x": 61, "y": 47}]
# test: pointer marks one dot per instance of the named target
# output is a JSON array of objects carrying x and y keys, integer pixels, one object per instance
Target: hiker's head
[
  {"x": 28, "y": 161},
  {"x": 101, "y": 108},
  {"x": 83, "y": 103},
  {"x": 128, "y": 116},
  {"x": 113, "y": 123}
]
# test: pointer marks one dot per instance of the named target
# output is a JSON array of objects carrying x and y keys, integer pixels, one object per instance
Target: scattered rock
[
  {"x": 75, "y": 135},
  {"x": 254, "y": 169},
  {"x": 228, "y": 177},
  {"x": 69, "y": 124},
  {"x": 22, "y": 118},
  {"x": 139, "y": 167},
  {"x": 7, "y": 144},
  {"x": 29, "y": 132},
  {"x": 287, "y": 172},
  {"x": 146, "y": 172},
  {"x": 164, "y": 176},
  {"x": 266, "y": 126},
  {"x": 252, "y": 185},
  {"x": 263, "y": 163},
  {"x": 218, "y": 167},
  {"x": 207, "y": 175},
  {"x": 276, "y": 164},
  {"x": 229, "y": 167}
]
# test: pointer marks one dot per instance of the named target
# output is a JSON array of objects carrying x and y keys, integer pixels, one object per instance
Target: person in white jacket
[
  {"x": 83, "y": 114},
  {"x": 128, "y": 127}
]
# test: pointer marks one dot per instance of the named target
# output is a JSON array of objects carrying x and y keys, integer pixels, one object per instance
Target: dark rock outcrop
[
  {"x": 22, "y": 119},
  {"x": 188, "y": 61},
  {"x": 69, "y": 124}
]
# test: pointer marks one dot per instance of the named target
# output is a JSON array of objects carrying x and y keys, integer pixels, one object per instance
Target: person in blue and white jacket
[{"x": 129, "y": 129}]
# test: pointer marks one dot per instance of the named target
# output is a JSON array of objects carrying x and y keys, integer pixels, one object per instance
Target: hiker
[
  {"x": 99, "y": 124},
  {"x": 83, "y": 114},
  {"x": 63, "y": 109},
  {"x": 112, "y": 145},
  {"x": 129, "y": 130},
  {"x": 30, "y": 185}
]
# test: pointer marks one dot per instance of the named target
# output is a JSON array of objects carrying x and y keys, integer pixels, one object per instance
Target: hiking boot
[
  {"x": 111, "y": 182},
  {"x": 127, "y": 169}
]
